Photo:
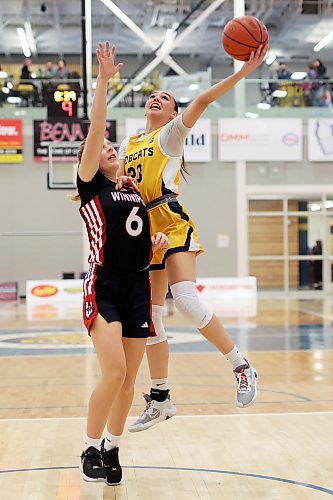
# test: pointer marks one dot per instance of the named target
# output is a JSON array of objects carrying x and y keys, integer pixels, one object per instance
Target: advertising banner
[
  {"x": 68, "y": 131},
  {"x": 233, "y": 297},
  {"x": 11, "y": 141},
  {"x": 51, "y": 291},
  {"x": 198, "y": 147},
  {"x": 262, "y": 139},
  {"x": 320, "y": 139},
  {"x": 9, "y": 291}
]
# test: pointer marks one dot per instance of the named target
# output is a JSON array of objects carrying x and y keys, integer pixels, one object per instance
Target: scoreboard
[{"x": 62, "y": 103}]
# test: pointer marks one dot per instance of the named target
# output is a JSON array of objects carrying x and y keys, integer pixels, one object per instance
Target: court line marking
[
  {"x": 92, "y": 353},
  {"x": 226, "y": 386},
  {"x": 195, "y": 403},
  {"x": 285, "y": 414},
  {"x": 189, "y": 469},
  {"x": 318, "y": 314}
]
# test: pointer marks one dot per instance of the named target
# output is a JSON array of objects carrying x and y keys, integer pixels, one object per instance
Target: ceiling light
[
  {"x": 248, "y": 114},
  {"x": 24, "y": 42},
  {"x": 5, "y": 90},
  {"x": 184, "y": 100},
  {"x": 30, "y": 37},
  {"x": 169, "y": 36},
  {"x": 14, "y": 100},
  {"x": 3, "y": 74},
  {"x": 323, "y": 42},
  {"x": 9, "y": 85},
  {"x": 298, "y": 75},
  {"x": 314, "y": 207},
  {"x": 193, "y": 86},
  {"x": 137, "y": 87},
  {"x": 279, "y": 93},
  {"x": 270, "y": 58},
  {"x": 263, "y": 105}
]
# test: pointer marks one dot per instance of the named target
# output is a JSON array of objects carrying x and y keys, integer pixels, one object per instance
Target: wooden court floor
[{"x": 279, "y": 448}]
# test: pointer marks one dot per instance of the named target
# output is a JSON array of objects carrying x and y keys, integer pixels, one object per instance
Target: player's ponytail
[
  {"x": 76, "y": 196},
  {"x": 183, "y": 169}
]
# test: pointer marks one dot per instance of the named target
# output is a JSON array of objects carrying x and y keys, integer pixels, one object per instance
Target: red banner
[
  {"x": 9, "y": 291},
  {"x": 11, "y": 141}
]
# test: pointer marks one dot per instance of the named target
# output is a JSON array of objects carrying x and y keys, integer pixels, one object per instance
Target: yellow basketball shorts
[{"x": 172, "y": 220}]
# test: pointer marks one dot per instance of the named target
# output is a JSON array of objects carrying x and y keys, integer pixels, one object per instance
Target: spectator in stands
[
  {"x": 272, "y": 86},
  {"x": 30, "y": 94},
  {"x": 320, "y": 68},
  {"x": 48, "y": 73},
  {"x": 321, "y": 90},
  {"x": 62, "y": 70},
  {"x": 283, "y": 72},
  {"x": 25, "y": 70},
  {"x": 318, "y": 266},
  {"x": 49, "y": 70},
  {"x": 309, "y": 88}
]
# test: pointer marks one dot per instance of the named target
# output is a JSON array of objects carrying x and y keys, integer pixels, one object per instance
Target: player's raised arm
[
  {"x": 193, "y": 112},
  {"x": 94, "y": 143}
]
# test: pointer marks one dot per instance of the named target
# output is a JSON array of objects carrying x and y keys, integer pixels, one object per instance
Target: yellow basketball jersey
[{"x": 155, "y": 173}]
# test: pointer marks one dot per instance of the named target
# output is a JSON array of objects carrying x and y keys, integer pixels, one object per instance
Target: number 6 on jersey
[{"x": 135, "y": 220}]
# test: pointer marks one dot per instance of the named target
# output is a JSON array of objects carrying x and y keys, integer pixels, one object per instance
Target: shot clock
[{"x": 62, "y": 103}]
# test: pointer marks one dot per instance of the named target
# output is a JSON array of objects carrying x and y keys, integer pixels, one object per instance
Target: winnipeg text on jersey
[{"x": 132, "y": 197}]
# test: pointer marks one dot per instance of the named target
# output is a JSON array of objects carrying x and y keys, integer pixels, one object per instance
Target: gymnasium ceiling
[{"x": 294, "y": 26}]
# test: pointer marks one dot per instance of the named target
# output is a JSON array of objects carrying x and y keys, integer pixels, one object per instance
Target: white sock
[
  {"x": 159, "y": 383},
  {"x": 96, "y": 443},
  {"x": 111, "y": 441},
  {"x": 235, "y": 358}
]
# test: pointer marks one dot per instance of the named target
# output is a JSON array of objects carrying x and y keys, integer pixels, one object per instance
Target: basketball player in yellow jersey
[
  {"x": 159, "y": 186},
  {"x": 154, "y": 159}
]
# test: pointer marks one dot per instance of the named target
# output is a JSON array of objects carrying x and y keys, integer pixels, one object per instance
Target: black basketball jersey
[{"x": 117, "y": 223}]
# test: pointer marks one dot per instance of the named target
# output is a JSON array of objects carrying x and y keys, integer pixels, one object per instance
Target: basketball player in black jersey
[{"x": 116, "y": 306}]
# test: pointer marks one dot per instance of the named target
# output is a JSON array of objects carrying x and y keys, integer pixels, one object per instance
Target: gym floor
[{"x": 279, "y": 448}]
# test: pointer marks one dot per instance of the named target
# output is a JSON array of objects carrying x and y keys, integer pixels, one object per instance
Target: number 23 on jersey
[{"x": 136, "y": 172}]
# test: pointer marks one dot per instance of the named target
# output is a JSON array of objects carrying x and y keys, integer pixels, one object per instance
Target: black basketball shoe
[
  {"x": 92, "y": 467},
  {"x": 112, "y": 466}
]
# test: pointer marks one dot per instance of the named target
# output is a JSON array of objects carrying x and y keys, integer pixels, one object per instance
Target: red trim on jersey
[
  {"x": 103, "y": 235},
  {"x": 89, "y": 309},
  {"x": 96, "y": 228}
]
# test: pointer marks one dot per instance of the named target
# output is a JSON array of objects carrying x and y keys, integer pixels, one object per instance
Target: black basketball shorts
[{"x": 126, "y": 299}]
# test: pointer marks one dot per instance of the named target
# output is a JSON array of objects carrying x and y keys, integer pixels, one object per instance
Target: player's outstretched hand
[
  {"x": 159, "y": 241},
  {"x": 255, "y": 60},
  {"x": 124, "y": 180},
  {"x": 107, "y": 67}
]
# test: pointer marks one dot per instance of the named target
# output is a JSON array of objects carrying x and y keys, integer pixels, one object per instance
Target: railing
[{"x": 261, "y": 94}]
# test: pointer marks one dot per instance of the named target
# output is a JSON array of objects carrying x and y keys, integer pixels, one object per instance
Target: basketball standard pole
[
  {"x": 241, "y": 197},
  {"x": 84, "y": 59},
  {"x": 87, "y": 91},
  {"x": 86, "y": 35}
]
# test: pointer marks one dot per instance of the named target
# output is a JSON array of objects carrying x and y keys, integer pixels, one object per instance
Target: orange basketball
[{"x": 243, "y": 35}]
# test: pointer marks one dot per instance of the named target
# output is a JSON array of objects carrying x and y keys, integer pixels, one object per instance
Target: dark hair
[
  {"x": 183, "y": 170},
  {"x": 80, "y": 150},
  {"x": 76, "y": 196}
]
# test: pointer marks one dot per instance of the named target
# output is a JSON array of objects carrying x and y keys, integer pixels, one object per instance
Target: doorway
[{"x": 290, "y": 241}]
